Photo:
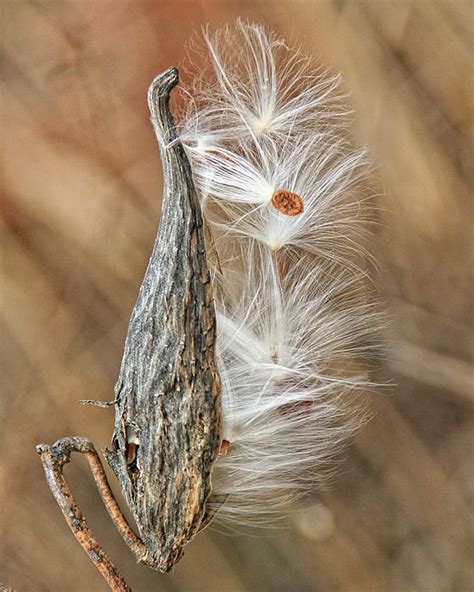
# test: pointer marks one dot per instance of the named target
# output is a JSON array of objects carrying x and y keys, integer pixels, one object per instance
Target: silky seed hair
[{"x": 284, "y": 198}]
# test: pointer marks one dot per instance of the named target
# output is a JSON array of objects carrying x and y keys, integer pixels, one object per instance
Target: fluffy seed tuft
[{"x": 282, "y": 193}]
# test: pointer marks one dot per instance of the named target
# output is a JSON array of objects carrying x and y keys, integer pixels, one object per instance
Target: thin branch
[{"x": 53, "y": 458}]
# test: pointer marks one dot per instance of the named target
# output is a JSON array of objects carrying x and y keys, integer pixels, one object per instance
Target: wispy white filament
[
  {"x": 294, "y": 314},
  {"x": 263, "y": 88}
]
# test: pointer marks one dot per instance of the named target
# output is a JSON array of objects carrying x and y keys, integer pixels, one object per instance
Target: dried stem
[{"x": 54, "y": 457}]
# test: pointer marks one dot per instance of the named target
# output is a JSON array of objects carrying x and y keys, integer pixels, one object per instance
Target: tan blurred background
[{"x": 80, "y": 204}]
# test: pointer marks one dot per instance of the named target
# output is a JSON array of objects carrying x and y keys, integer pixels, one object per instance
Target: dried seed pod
[
  {"x": 168, "y": 412},
  {"x": 167, "y": 431}
]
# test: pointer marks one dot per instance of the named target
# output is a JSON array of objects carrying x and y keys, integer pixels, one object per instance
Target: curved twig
[{"x": 54, "y": 457}]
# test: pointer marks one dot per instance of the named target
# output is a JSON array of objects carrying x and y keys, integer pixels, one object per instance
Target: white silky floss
[{"x": 282, "y": 192}]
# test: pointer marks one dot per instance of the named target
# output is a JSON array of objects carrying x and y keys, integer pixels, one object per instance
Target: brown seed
[
  {"x": 287, "y": 203},
  {"x": 224, "y": 449}
]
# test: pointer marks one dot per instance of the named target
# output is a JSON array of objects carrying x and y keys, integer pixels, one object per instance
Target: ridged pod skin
[{"x": 168, "y": 413}]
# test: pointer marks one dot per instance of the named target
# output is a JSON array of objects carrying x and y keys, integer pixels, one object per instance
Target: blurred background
[{"x": 80, "y": 203}]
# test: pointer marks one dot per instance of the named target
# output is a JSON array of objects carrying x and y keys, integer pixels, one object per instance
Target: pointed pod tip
[{"x": 163, "y": 83}]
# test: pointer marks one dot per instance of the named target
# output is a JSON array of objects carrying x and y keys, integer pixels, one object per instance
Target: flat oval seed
[{"x": 287, "y": 202}]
